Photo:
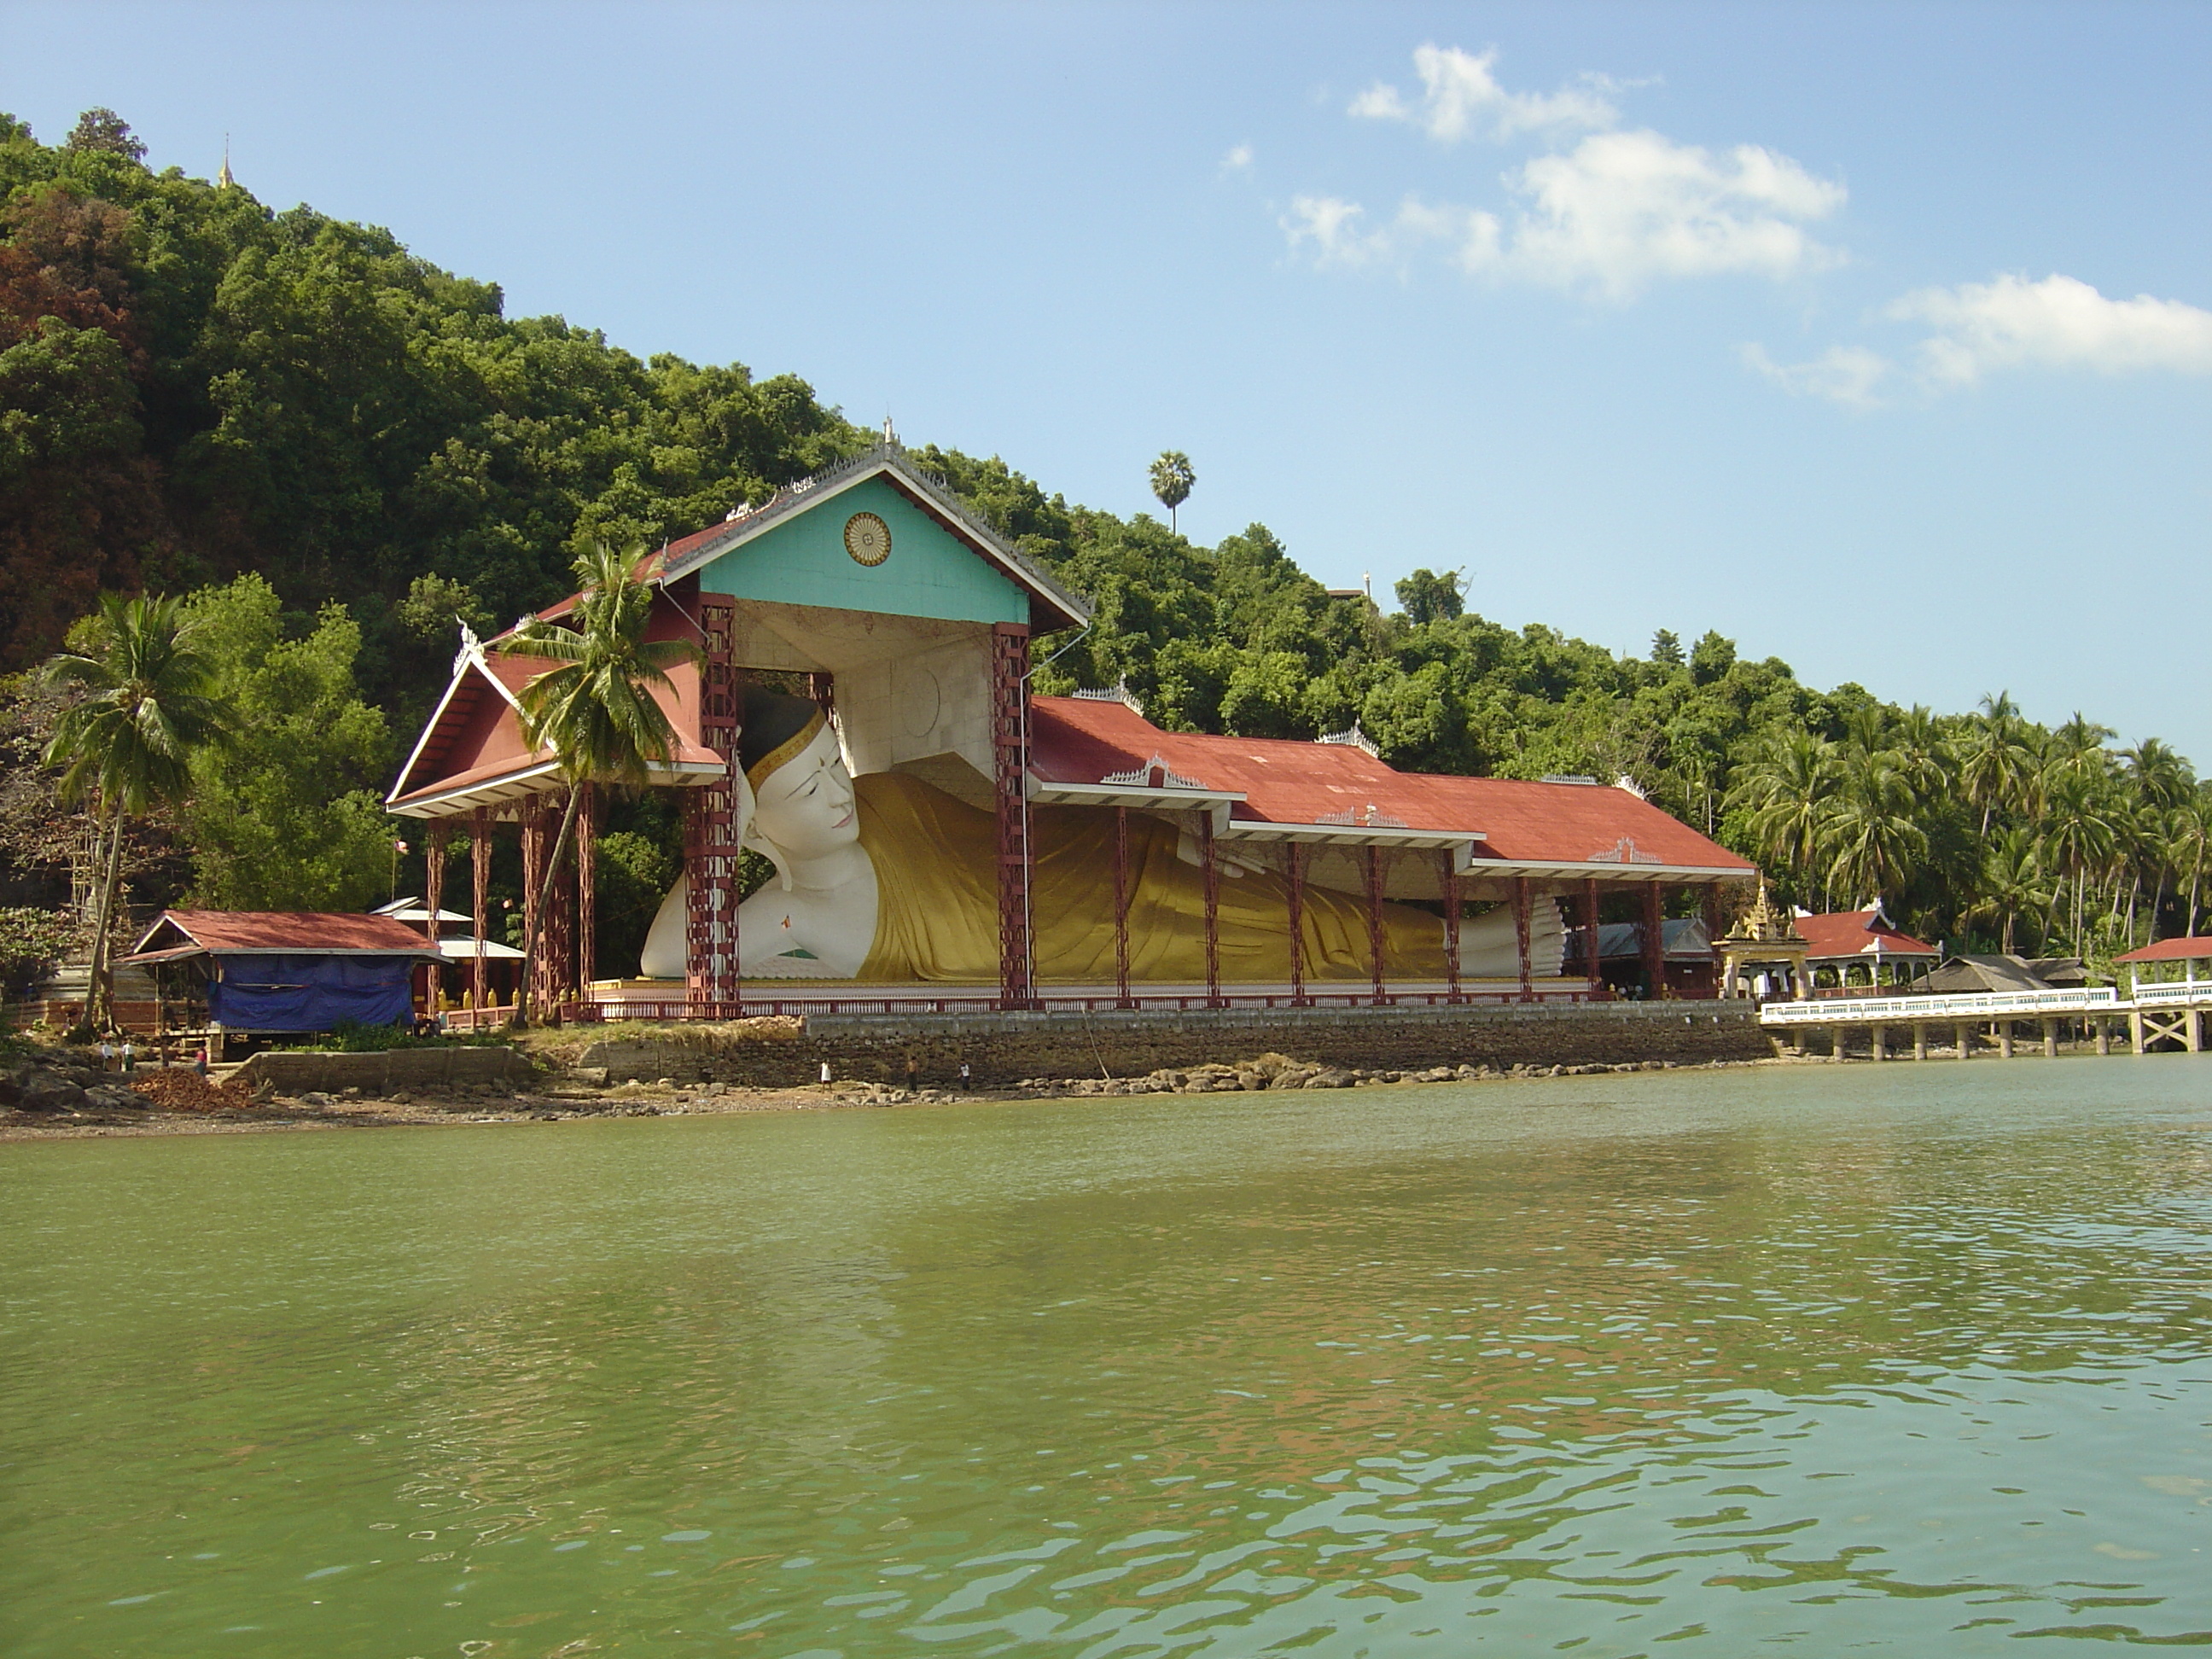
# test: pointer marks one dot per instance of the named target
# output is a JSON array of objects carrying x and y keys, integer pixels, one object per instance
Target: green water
[{"x": 1911, "y": 1358}]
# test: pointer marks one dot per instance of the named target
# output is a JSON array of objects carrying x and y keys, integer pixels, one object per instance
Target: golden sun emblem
[{"x": 867, "y": 538}]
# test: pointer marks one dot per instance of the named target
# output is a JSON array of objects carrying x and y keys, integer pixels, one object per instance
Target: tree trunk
[
  {"x": 99, "y": 989},
  {"x": 2189, "y": 922},
  {"x": 537, "y": 911}
]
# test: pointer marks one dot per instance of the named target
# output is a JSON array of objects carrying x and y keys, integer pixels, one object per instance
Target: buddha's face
[{"x": 804, "y": 808}]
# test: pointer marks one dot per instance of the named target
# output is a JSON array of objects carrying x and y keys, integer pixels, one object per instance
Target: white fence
[{"x": 1977, "y": 1004}]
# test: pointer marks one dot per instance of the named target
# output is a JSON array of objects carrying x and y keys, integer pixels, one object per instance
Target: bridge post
[
  {"x": 2136, "y": 1029},
  {"x": 1836, "y": 1044},
  {"x": 2004, "y": 1039},
  {"x": 1964, "y": 1033},
  {"x": 2050, "y": 1039},
  {"x": 1920, "y": 1040},
  {"x": 2104, "y": 1034},
  {"x": 2192, "y": 1029},
  {"x": 1879, "y": 1040}
]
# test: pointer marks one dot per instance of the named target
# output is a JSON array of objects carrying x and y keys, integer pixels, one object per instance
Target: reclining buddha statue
[{"x": 884, "y": 878}]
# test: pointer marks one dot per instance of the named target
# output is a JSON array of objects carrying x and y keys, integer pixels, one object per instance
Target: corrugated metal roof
[
  {"x": 2191, "y": 949},
  {"x": 290, "y": 932}
]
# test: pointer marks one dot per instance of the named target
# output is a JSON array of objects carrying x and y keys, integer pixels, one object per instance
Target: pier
[{"x": 2154, "y": 1012}]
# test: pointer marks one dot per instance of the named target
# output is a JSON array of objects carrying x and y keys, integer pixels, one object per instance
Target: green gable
[{"x": 930, "y": 572}]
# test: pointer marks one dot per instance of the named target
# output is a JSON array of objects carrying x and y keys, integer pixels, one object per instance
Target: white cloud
[
  {"x": 1333, "y": 227},
  {"x": 1458, "y": 95},
  {"x": 1850, "y": 375},
  {"x": 2059, "y": 322},
  {"x": 1238, "y": 160},
  {"x": 2007, "y": 323},
  {"x": 1619, "y": 210},
  {"x": 1623, "y": 208}
]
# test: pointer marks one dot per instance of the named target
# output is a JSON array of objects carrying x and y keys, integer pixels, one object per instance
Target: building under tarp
[{"x": 286, "y": 970}]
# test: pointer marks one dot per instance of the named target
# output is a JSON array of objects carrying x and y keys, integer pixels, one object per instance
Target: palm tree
[
  {"x": 2012, "y": 874},
  {"x": 1172, "y": 478},
  {"x": 596, "y": 711},
  {"x": 1873, "y": 835},
  {"x": 1997, "y": 766},
  {"x": 2080, "y": 834},
  {"x": 1785, "y": 789},
  {"x": 2188, "y": 848},
  {"x": 146, "y": 704}
]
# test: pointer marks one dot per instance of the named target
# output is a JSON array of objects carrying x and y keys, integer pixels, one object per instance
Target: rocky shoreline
[{"x": 56, "y": 1097}]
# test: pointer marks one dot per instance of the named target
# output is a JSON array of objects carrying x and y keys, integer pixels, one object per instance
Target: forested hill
[{"x": 338, "y": 448}]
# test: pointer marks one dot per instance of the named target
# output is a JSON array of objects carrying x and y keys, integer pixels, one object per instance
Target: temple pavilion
[{"x": 909, "y": 620}]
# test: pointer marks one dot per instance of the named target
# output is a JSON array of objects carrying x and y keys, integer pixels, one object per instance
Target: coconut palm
[
  {"x": 1785, "y": 791},
  {"x": 1996, "y": 763},
  {"x": 1873, "y": 836},
  {"x": 146, "y": 704},
  {"x": 2080, "y": 832},
  {"x": 2012, "y": 883},
  {"x": 596, "y": 711},
  {"x": 2188, "y": 848},
  {"x": 1172, "y": 478}
]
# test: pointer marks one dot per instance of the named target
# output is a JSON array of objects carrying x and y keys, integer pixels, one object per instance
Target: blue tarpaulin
[{"x": 309, "y": 993}]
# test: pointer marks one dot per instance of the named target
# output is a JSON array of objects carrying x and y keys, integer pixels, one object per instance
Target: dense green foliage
[{"x": 338, "y": 449}]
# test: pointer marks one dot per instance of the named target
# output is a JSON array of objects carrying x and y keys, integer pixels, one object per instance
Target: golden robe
[{"x": 937, "y": 915}]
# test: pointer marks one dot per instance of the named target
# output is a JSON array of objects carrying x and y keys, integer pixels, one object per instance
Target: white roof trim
[
  {"x": 531, "y": 779},
  {"x": 470, "y": 659}
]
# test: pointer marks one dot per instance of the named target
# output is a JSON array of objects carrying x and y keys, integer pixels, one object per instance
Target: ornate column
[
  {"x": 1121, "y": 997},
  {"x": 710, "y": 829},
  {"x": 1445, "y": 859},
  {"x": 561, "y": 912},
  {"x": 1655, "y": 941},
  {"x": 1374, "y": 917},
  {"x": 1298, "y": 898},
  {"x": 480, "y": 871},
  {"x": 1521, "y": 935},
  {"x": 1010, "y": 768}
]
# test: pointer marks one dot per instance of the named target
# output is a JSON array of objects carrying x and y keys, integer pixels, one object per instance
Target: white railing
[
  {"x": 1975, "y": 1005},
  {"x": 2175, "y": 990}
]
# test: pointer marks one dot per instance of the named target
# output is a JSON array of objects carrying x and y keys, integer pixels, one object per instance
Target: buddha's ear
[{"x": 742, "y": 805}]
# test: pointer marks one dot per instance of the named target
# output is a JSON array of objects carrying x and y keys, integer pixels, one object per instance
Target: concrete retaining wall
[
  {"x": 1002, "y": 1049},
  {"x": 293, "y": 1074}
]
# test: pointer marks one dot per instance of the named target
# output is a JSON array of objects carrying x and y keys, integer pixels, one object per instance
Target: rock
[
  {"x": 45, "y": 1092},
  {"x": 1332, "y": 1078},
  {"x": 114, "y": 1098},
  {"x": 591, "y": 1077}
]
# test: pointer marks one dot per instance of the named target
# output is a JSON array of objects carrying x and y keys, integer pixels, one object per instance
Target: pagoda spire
[{"x": 224, "y": 180}]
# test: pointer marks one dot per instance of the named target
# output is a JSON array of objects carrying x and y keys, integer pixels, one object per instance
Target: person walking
[
  {"x": 129, "y": 1057},
  {"x": 106, "y": 1055}
]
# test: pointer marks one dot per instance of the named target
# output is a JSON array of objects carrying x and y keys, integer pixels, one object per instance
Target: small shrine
[{"x": 1767, "y": 937}]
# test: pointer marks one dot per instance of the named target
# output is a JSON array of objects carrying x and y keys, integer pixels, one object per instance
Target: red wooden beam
[
  {"x": 1010, "y": 768},
  {"x": 1298, "y": 998},
  {"x": 1121, "y": 999},
  {"x": 1450, "y": 877}
]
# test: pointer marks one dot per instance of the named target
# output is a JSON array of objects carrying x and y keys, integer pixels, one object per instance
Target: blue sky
[{"x": 1879, "y": 338}]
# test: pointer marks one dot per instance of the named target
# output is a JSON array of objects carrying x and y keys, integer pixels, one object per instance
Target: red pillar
[
  {"x": 587, "y": 894},
  {"x": 1210, "y": 868},
  {"x": 1591, "y": 957},
  {"x": 1712, "y": 910},
  {"x": 1298, "y": 998},
  {"x": 1374, "y": 917},
  {"x": 1521, "y": 934},
  {"x": 1655, "y": 941},
  {"x": 1121, "y": 997},
  {"x": 1009, "y": 767},
  {"x": 560, "y": 953},
  {"x": 533, "y": 881},
  {"x": 710, "y": 829},
  {"x": 434, "y": 875},
  {"x": 480, "y": 871},
  {"x": 1445, "y": 860}
]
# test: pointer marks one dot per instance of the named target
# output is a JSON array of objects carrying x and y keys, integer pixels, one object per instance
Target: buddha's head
[{"x": 803, "y": 799}]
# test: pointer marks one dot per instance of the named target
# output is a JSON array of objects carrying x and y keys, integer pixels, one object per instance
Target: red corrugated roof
[
  {"x": 2171, "y": 949},
  {"x": 1858, "y": 933},
  {"x": 1081, "y": 740},
  {"x": 305, "y": 933}
]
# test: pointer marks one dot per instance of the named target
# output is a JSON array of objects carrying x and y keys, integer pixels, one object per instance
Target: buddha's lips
[{"x": 842, "y": 822}]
